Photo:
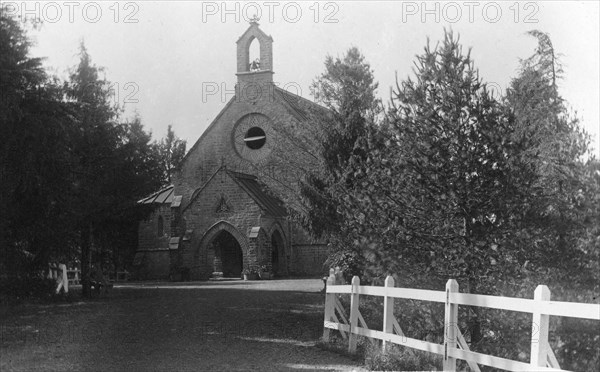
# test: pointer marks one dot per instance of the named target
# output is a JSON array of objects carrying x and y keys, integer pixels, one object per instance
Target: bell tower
[{"x": 260, "y": 70}]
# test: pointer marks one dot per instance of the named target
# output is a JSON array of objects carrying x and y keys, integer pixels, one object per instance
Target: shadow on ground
[{"x": 226, "y": 326}]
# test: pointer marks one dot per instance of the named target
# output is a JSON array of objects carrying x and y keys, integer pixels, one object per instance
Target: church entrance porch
[{"x": 228, "y": 257}]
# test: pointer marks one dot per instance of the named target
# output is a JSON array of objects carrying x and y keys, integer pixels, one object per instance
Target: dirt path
[{"x": 205, "y": 326}]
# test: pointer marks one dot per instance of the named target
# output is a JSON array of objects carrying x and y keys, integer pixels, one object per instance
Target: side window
[{"x": 160, "y": 228}]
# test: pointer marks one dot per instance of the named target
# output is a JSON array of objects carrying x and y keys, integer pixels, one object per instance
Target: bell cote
[{"x": 260, "y": 69}]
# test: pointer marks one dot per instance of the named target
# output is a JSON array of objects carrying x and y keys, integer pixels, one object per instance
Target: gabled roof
[
  {"x": 164, "y": 196},
  {"x": 257, "y": 191},
  {"x": 300, "y": 107},
  {"x": 256, "y": 31}
]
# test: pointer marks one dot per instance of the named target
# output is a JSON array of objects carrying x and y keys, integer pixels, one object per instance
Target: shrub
[
  {"x": 398, "y": 358},
  {"x": 26, "y": 287}
]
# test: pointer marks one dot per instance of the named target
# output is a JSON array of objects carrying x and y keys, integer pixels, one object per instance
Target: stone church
[{"x": 225, "y": 211}]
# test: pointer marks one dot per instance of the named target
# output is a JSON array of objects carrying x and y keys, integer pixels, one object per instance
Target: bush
[
  {"x": 350, "y": 263},
  {"x": 398, "y": 358},
  {"x": 26, "y": 287}
]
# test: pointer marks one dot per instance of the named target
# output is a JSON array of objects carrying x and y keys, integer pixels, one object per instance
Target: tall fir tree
[
  {"x": 35, "y": 156},
  {"x": 172, "y": 150}
]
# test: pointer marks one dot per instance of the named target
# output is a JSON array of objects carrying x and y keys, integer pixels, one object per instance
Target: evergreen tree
[
  {"x": 35, "y": 157},
  {"x": 555, "y": 150},
  {"x": 172, "y": 150},
  {"x": 347, "y": 88},
  {"x": 116, "y": 164}
]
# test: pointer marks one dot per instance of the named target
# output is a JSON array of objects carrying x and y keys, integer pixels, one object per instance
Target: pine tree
[
  {"x": 34, "y": 156},
  {"x": 172, "y": 150}
]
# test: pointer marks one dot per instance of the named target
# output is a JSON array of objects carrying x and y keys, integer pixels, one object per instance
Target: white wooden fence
[
  {"x": 454, "y": 347},
  {"x": 64, "y": 276}
]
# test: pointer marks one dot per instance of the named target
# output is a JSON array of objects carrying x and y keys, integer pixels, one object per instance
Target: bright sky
[{"x": 166, "y": 57}]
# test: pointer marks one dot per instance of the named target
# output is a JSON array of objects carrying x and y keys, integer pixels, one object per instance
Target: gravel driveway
[{"x": 203, "y": 326}]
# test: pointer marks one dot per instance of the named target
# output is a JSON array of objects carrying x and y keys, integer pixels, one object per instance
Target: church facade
[{"x": 228, "y": 207}]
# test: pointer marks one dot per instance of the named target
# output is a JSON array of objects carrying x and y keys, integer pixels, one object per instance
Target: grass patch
[{"x": 398, "y": 358}]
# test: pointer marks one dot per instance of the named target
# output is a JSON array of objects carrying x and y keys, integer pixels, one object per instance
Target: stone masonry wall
[
  {"x": 216, "y": 148},
  {"x": 309, "y": 259},
  {"x": 243, "y": 214},
  {"x": 155, "y": 263},
  {"x": 148, "y": 229}
]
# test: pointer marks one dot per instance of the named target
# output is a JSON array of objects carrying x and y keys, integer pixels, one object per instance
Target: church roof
[
  {"x": 271, "y": 204},
  {"x": 300, "y": 107},
  {"x": 164, "y": 196}
]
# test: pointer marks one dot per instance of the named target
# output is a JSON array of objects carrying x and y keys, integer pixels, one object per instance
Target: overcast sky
[{"x": 166, "y": 57}]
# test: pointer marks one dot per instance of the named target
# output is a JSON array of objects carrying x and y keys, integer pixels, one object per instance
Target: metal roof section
[
  {"x": 176, "y": 201},
  {"x": 164, "y": 196},
  {"x": 271, "y": 204}
]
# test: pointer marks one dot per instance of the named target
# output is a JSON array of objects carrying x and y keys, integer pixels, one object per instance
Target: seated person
[{"x": 98, "y": 280}]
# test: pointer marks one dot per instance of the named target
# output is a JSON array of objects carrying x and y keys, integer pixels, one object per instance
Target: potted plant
[
  {"x": 246, "y": 274},
  {"x": 264, "y": 273},
  {"x": 249, "y": 274}
]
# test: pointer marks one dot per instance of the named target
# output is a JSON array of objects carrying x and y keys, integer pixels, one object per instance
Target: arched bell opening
[{"x": 254, "y": 55}]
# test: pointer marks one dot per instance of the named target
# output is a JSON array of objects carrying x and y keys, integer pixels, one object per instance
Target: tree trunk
[
  {"x": 474, "y": 322},
  {"x": 86, "y": 289}
]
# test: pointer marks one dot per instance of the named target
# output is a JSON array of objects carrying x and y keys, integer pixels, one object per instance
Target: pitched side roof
[
  {"x": 300, "y": 107},
  {"x": 164, "y": 196},
  {"x": 257, "y": 191}
]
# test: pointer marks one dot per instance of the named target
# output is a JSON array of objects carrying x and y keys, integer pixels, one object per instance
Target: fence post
[
  {"x": 353, "y": 314},
  {"x": 65, "y": 277},
  {"x": 450, "y": 326},
  {"x": 539, "y": 328},
  {"x": 339, "y": 276},
  {"x": 388, "y": 310},
  {"x": 329, "y": 306}
]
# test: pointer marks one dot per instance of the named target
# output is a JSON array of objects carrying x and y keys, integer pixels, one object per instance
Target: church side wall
[
  {"x": 154, "y": 248},
  {"x": 308, "y": 259},
  {"x": 148, "y": 237}
]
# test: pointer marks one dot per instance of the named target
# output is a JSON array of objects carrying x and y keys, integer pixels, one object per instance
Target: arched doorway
[
  {"x": 228, "y": 258},
  {"x": 278, "y": 254}
]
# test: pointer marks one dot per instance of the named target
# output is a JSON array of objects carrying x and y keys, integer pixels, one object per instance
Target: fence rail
[{"x": 455, "y": 346}]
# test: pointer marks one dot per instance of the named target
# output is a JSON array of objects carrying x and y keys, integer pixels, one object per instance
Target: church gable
[
  {"x": 234, "y": 140},
  {"x": 229, "y": 193},
  {"x": 221, "y": 198},
  {"x": 258, "y": 119}
]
